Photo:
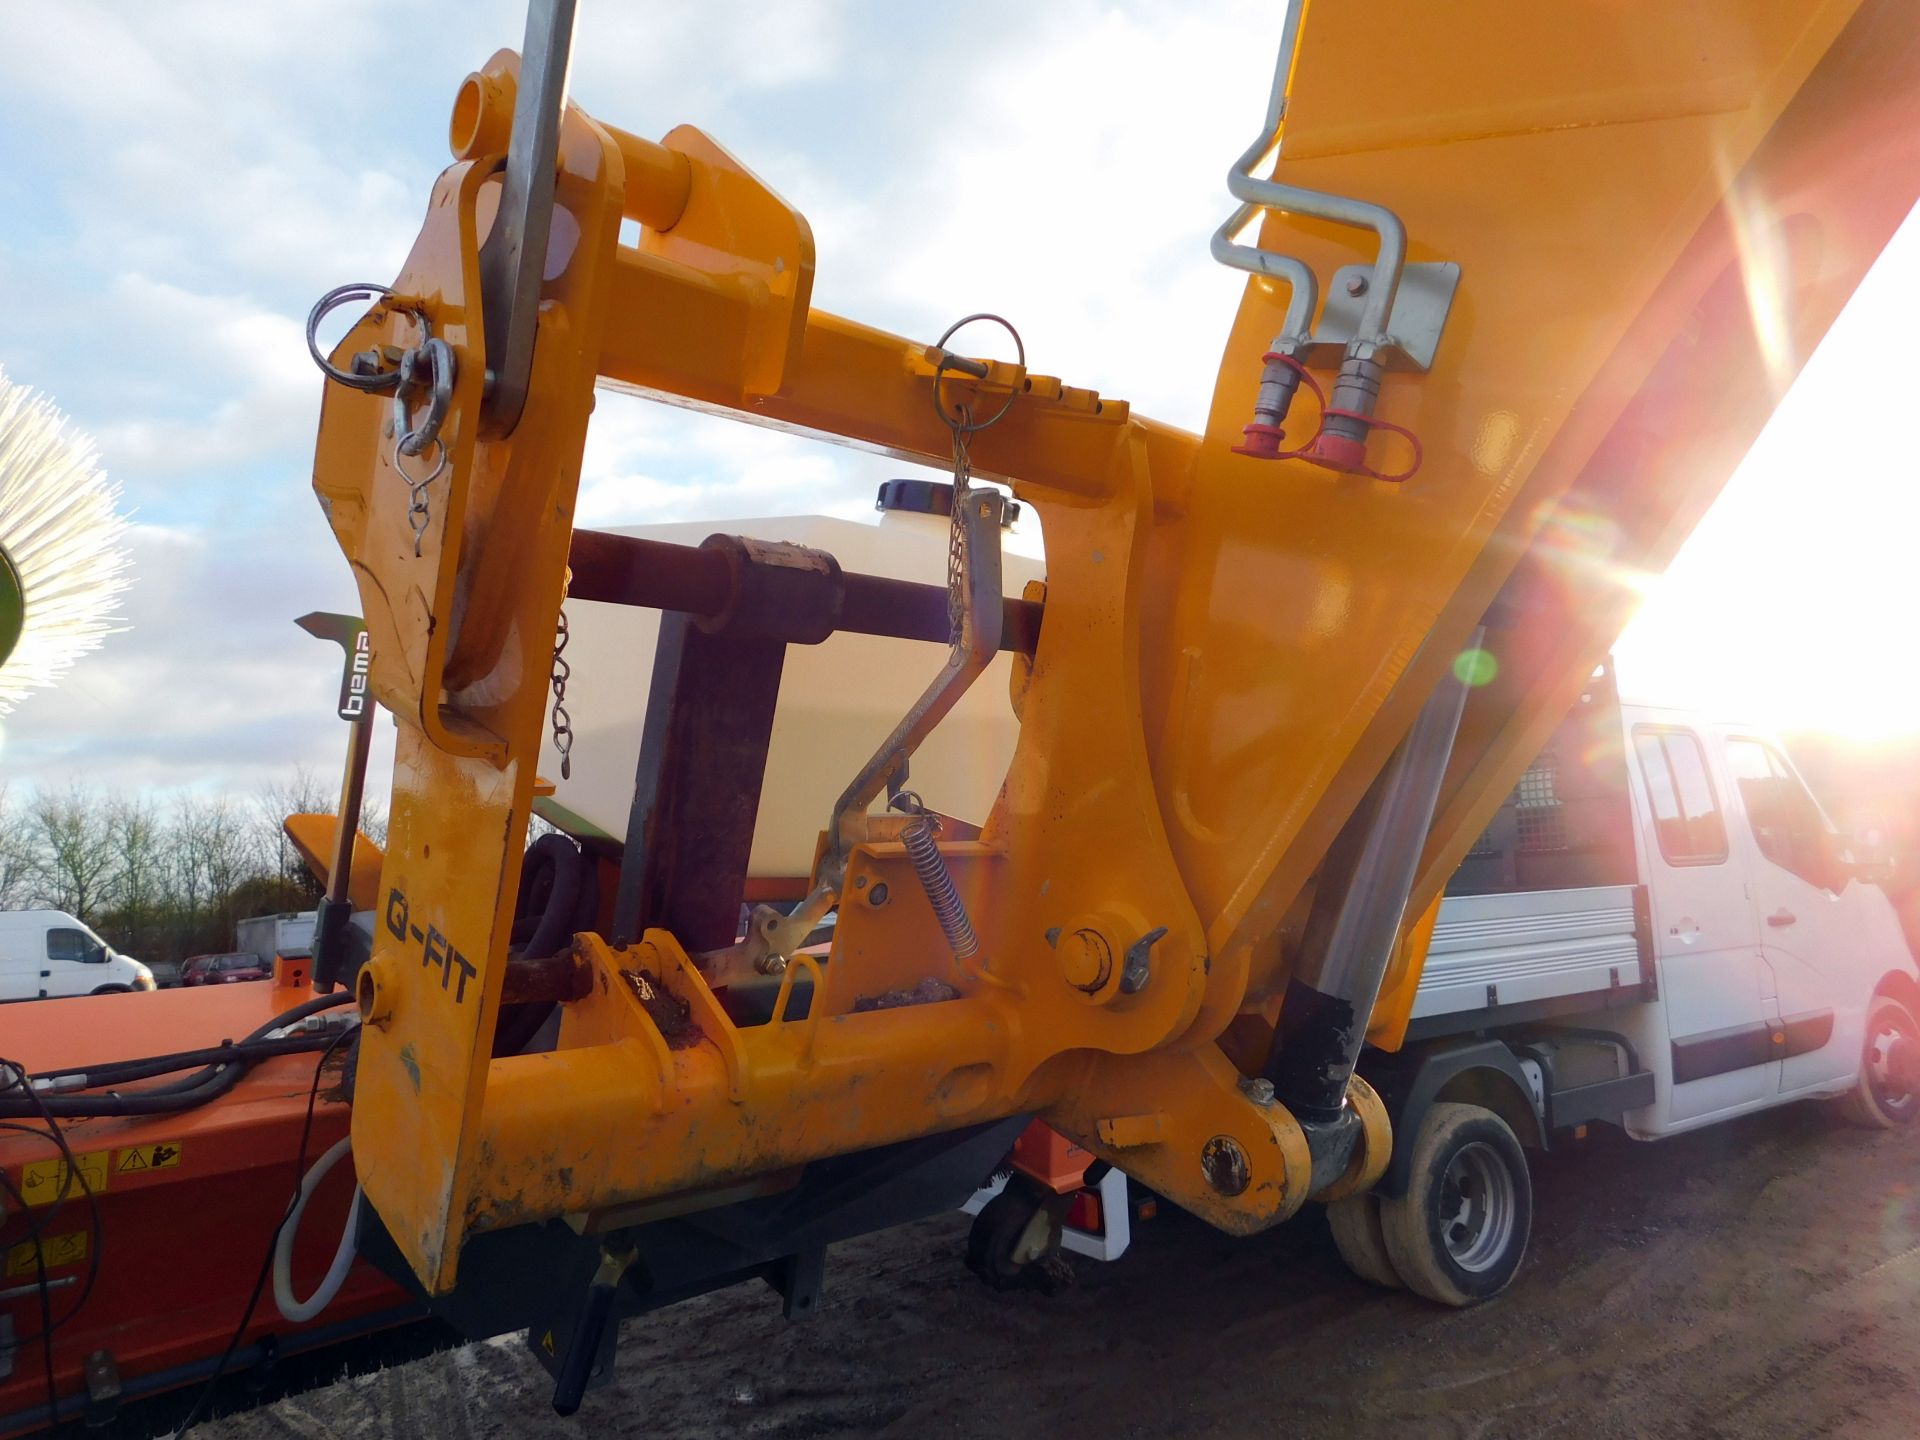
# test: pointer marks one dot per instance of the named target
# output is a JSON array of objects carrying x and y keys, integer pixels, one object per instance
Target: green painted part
[
  {"x": 576, "y": 825},
  {"x": 13, "y": 606}
]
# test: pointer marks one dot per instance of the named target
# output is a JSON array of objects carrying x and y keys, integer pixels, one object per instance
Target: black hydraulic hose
[
  {"x": 556, "y": 861},
  {"x": 212, "y": 1061},
  {"x": 209, "y": 1083},
  {"x": 558, "y": 878},
  {"x": 163, "y": 1101},
  {"x": 208, "y": 1056},
  {"x": 121, "y": 1072}
]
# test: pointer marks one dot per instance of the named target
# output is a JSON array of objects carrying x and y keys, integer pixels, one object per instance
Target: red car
[{"x": 223, "y": 969}]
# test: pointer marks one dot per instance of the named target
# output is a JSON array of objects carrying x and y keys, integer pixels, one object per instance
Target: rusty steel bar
[
  {"x": 545, "y": 980},
  {"x": 659, "y": 575}
]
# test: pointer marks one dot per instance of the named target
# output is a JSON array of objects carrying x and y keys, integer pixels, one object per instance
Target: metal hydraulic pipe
[
  {"x": 1358, "y": 907},
  {"x": 1342, "y": 442},
  {"x": 1303, "y": 297},
  {"x": 659, "y": 575},
  {"x": 1269, "y": 194}
]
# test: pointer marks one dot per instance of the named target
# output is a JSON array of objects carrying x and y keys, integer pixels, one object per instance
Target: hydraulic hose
[
  {"x": 121, "y": 1072},
  {"x": 559, "y": 897},
  {"x": 226, "y": 1064},
  {"x": 298, "y": 1312}
]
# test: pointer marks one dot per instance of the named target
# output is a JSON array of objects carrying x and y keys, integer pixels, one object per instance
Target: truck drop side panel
[{"x": 1496, "y": 959}]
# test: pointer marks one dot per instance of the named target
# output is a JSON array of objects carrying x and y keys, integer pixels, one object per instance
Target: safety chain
[
  {"x": 562, "y": 721},
  {"x": 427, "y": 370}
]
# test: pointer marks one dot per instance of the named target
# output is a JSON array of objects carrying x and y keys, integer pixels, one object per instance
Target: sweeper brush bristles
[{"x": 61, "y": 530}]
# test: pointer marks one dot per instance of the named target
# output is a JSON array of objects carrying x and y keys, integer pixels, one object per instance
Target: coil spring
[{"x": 931, "y": 867}]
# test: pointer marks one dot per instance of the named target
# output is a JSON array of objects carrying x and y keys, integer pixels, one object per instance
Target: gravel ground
[{"x": 1759, "y": 1278}]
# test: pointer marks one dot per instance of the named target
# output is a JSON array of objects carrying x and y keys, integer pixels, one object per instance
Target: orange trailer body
[{"x": 187, "y": 1206}]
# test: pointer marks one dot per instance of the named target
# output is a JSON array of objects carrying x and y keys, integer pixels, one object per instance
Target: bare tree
[
  {"x": 305, "y": 794},
  {"x": 213, "y": 849},
  {"x": 373, "y": 820},
  {"x": 139, "y": 844},
  {"x": 78, "y": 859},
  {"x": 19, "y": 854},
  {"x": 163, "y": 882}
]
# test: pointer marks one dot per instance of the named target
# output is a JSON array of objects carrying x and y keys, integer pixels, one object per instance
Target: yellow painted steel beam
[{"x": 1231, "y": 648}]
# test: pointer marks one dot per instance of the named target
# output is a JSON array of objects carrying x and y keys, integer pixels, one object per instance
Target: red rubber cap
[
  {"x": 1262, "y": 442},
  {"x": 1338, "y": 452}
]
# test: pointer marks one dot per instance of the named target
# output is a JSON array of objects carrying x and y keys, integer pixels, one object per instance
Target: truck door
[
  {"x": 1809, "y": 927},
  {"x": 1714, "y": 986},
  {"x": 70, "y": 957},
  {"x": 20, "y": 963}
]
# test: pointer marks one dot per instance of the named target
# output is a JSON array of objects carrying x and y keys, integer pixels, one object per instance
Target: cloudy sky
[{"x": 178, "y": 181}]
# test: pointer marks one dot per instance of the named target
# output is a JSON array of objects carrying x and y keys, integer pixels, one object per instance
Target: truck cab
[
  {"x": 46, "y": 954},
  {"x": 1770, "y": 945}
]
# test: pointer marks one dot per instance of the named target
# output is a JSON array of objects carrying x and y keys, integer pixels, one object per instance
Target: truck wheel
[
  {"x": 1013, "y": 1231},
  {"x": 1459, "y": 1233},
  {"x": 1358, "y": 1238},
  {"x": 111, "y": 990},
  {"x": 1887, "y": 1094}
]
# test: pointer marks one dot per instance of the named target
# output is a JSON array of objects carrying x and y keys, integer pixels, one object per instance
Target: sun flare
[{"x": 1793, "y": 603}]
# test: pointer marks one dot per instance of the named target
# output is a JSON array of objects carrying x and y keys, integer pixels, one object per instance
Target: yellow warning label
[
  {"x": 145, "y": 1157},
  {"x": 546, "y": 1340},
  {"x": 44, "y": 1181},
  {"x": 58, "y": 1249}
]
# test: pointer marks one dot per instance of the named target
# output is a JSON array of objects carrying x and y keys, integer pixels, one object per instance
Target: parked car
[
  {"x": 223, "y": 969},
  {"x": 48, "y": 954}
]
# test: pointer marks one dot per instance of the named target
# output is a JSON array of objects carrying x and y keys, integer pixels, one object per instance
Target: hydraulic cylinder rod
[{"x": 1356, "y": 915}]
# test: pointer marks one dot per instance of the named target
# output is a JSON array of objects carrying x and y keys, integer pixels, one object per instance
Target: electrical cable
[
  {"x": 296, "y": 1311},
  {"x": 200, "y": 1403},
  {"x": 46, "y": 1302},
  {"x": 37, "y": 1231}
]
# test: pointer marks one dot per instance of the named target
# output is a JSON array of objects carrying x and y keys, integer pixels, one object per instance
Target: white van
[
  {"x": 47, "y": 954},
  {"x": 1660, "y": 930}
]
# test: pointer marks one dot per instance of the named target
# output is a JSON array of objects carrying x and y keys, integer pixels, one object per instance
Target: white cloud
[
  {"x": 1068, "y": 177},
  {"x": 710, "y": 57},
  {"x": 255, "y": 377},
  {"x": 210, "y": 681}
]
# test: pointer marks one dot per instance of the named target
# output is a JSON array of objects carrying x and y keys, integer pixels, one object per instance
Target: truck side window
[
  {"x": 67, "y": 943},
  {"x": 1786, "y": 820},
  {"x": 1686, "y": 816}
]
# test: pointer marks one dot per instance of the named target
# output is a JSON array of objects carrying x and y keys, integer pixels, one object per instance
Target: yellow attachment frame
[{"x": 1230, "y": 650}]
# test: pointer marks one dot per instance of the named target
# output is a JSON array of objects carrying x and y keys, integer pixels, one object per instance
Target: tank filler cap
[{"x": 928, "y": 497}]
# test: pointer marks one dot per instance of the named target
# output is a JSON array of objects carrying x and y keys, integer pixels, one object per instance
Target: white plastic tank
[{"x": 838, "y": 700}]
